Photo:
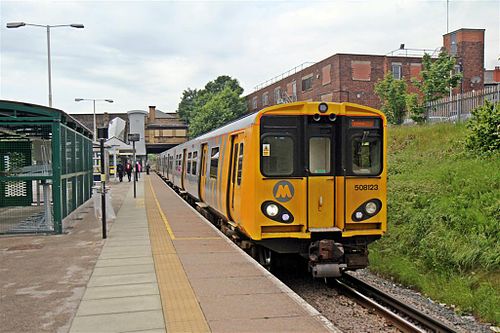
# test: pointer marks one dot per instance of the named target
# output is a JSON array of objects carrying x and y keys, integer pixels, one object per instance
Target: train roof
[{"x": 250, "y": 119}]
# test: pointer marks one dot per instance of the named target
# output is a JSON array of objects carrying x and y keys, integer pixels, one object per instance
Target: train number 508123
[{"x": 365, "y": 187}]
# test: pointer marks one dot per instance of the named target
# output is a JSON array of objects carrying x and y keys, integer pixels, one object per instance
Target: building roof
[{"x": 165, "y": 115}]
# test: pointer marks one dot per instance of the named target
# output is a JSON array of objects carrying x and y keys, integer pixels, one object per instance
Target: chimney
[
  {"x": 152, "y": 113},
  {"x": 496, "y": 74}
]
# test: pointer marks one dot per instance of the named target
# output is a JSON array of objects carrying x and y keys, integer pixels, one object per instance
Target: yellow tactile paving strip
[{"x": 181, "y": 309}]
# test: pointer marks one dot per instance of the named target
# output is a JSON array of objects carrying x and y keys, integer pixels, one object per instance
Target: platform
[{"x": 164, "y": 268}]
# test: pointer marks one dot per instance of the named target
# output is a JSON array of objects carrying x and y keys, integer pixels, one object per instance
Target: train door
[
  {"x": 320, "y": 182},
  {"x": 237, "y": 149},
  {"x": 183, "y": 170},
  {"x": 203, "y": 171}
]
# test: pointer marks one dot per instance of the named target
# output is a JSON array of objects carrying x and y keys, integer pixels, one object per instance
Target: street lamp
[
  {"x": 22, "y": 24},
  {"x": 94, "y": 100}
]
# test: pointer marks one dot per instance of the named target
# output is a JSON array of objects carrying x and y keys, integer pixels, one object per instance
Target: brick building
[
  {"x": 162, "y": 130},
  {"x": 352, "y": 77}
]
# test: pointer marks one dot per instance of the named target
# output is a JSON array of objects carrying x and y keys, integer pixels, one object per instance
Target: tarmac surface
[{"x": 43, "y": 277}]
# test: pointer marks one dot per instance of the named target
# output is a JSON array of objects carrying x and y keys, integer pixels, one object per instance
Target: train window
[
  {"x": 277, "y": 155},
  {"x": 235, "y": 156},
  {"x": 188, "y": 169},
  {"x": 240, "y": 163},
  {"x": 319, "y": 155},
  {"x": 214, "y": 162},
  {"x": 366, "y": 153},
  {"x": 195, "y": 162}
]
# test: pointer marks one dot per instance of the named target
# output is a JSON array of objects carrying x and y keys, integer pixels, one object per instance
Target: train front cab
[{"x": 322, "y": 185}]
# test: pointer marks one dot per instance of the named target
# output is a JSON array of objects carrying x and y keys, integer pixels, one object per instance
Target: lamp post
[
  {"x": 94, "y": 100},
  {"x": 12, "y": 25}
]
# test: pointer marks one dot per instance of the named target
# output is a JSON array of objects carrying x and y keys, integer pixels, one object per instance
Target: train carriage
[{"x": 306, "y": 178}]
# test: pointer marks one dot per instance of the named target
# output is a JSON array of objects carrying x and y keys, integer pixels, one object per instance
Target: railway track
[{"x": 404, "y": 316}]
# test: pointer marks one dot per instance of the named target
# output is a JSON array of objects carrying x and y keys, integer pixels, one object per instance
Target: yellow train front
[{"x": 306, "y": 178}]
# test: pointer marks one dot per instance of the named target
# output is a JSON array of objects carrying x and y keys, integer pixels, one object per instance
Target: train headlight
[
  {"x": 371, "y": 207},
  {"x": 322, "y": 107},
  {"x": 285, "y": 217},
  {"x": 272, "y": 210},
  {"x": 359, "y": 215}
]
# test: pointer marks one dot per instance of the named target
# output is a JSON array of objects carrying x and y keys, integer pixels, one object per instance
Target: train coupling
[{"x": 325, "y": 259}]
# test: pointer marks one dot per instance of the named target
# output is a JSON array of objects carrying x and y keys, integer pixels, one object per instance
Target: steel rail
[{"x": 366, "y": 292}]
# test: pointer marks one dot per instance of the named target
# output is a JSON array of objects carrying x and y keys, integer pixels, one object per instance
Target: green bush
[{"x": 484, "y": 135}]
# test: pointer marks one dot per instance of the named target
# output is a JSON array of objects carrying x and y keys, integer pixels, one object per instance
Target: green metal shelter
[{"x": 45, "y": 167}]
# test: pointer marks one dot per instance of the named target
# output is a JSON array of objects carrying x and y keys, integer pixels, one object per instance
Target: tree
[
  {"x": 205, "y": 109},
  {"x": 221, "y": 108},
  {"x": 187, "y": 105},
  {"x": 437, "y": 78},
  {"x": 392, "y": 94}
]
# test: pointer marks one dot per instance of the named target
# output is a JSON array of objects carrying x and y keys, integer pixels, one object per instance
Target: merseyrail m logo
[{"x": 283, "y": 191}]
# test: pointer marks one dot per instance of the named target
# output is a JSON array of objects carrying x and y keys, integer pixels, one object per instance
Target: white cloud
[{"x": 146, "y": 53}]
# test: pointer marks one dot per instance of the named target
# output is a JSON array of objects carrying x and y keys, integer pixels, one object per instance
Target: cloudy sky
[{"x": 142, "y": 53}]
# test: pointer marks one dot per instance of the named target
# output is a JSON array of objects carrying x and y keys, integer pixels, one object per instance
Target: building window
[
  {"x": 277, "y": 95},
  {"x": 307, "y": 82},
  {"x": 214, "y": 162},
  {"x": 453, "y": 46},
  {"x": 396, "y": 69},
  {"x": 254, "y": 102},
  {"x": 265, "y": 99},
  {"x": 294, "y": 90},
  {"x": 361, "y": 70},
  {"x": 325, "y": 74},
  {"x": 415, "y": 69}
]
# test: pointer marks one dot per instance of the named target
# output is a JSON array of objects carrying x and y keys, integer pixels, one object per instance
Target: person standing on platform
[
  {"x": 119, "y": 168},
  {"x": 138, "y": 169},
  {"x": 128, "y": 170},
  {"x": 147, "y": 168}
]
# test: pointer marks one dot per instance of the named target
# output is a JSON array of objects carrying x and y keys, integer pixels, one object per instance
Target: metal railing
[
  {"x": 460, "y": 106},
  {"x": 283, "y": 75}
]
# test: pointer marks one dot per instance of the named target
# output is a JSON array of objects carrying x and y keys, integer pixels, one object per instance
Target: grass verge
[{"x": 444, "y": 219}]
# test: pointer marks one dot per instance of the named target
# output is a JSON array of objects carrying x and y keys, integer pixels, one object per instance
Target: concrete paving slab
[
  {"x": 129, "y": 242},
  {"x": 119, "y": 304},
  {"x": 115, "y": 280},
  {"x": 141, "y": 289},
  {"x": 221, "y": 269},
  {"x": 254, "y": 306},
  {"x": 126, "y": 269},
  {"x": 132, "y": 254},
  {"x": 119, "y": 322},
  {"x": 124, "y": 261},
  {"x": 228, "y": 258},
  {"x": 126, "y": 249},
  {"x": 268, "y": 325},
  {"x": 202, "y": 246},
  {"x": 233, "y": 286}
]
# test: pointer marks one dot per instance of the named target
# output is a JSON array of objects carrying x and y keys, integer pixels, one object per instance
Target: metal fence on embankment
[{"x": 460, "y": 106}]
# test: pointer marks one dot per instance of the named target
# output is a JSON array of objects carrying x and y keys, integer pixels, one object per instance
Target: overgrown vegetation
[
  {"x": 209, "y": 108},
  {"x": 484, "y": 135},
  {"x": 436, "y": 78},
  {"x": 444, "y": 219}
]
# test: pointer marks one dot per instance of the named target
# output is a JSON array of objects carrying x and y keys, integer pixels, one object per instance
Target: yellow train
[{"x": 306, "y": 178}]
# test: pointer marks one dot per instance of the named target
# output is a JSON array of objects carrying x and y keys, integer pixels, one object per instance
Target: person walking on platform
[
  {"x": 147, "y": 168},
  {"x": 138, "y": 169},
  {"x": 119, "y": 168},
  {"x": 128, "y": 170}
]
